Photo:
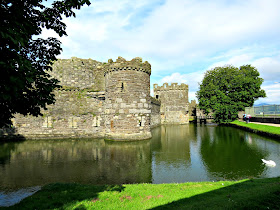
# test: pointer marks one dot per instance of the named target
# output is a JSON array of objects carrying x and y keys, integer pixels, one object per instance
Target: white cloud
[
  {"x": 272, "y": 92},
  {"x": 194, "y": 29},
  {"x": 192, "y": 96},
  {"x": 179, "y": 35},
  {"x": 192, "y": 79},
  {"x": 237, "y": 61},
  {"x": 269, "y": 68},
  {"x": 174, "y": 33}
]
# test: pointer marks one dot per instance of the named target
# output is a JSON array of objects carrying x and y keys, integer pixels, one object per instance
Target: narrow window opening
[
  {"x": 140, "y": 123},
  {"x": 122, "y": 87},
  {"x": 156, "y": 96}
]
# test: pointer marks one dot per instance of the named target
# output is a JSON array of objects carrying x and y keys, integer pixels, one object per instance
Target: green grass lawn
[
  {"x": 258, "y": 127},
  {"x": 251, "y": 194}
]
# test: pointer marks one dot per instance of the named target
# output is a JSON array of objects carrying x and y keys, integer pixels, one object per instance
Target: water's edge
[{"x": 263, "y": 133}]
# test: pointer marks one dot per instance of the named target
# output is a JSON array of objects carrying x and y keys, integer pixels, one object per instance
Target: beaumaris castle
[{"x": 107, "y": 100}]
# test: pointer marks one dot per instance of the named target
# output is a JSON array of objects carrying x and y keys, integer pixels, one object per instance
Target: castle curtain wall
[
  {"x": 174, "y": 103},
  {"x": 107, "y": 100}
]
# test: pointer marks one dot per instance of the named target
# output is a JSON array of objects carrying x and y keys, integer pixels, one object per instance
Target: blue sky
[{"x": 181, "y": 38}]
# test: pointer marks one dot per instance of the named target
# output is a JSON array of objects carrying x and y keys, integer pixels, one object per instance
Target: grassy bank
[
  {"x": 256, "y": 193},
  {"x": 258, "y": 128}
]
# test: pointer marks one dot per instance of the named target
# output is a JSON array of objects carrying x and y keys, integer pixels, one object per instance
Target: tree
[
  {"x": 25, "y": 84},
  {"x": 227, "y": 90}
]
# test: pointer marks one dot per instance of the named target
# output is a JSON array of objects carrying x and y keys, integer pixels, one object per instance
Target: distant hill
[{"x": 262, "y": 104}]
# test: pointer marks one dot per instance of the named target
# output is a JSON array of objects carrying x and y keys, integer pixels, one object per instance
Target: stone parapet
[
  {"x": 173, "y": 86},
  {"x": 121, "y": 64}
]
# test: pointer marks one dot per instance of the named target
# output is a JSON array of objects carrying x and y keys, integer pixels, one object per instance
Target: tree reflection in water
[{"x": 229, "y": 154}]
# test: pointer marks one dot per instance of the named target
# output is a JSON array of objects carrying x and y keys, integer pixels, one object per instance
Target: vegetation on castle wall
[
  {"x": 26, "y": 86},
  {"x": 227, "y": 90}
]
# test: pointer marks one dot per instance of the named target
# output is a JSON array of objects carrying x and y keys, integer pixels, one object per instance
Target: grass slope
[
  {"x": 253, "y": 194},
  {"x": 258, "y": 127}
]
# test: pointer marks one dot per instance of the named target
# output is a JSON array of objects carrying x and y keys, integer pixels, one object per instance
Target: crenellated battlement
[
  {"x": 121, "y": 64},
  {"x": 173, "y": 86}
]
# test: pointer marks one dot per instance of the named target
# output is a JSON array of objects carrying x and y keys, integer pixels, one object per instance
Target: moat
[{"x": 183, "y": 153}]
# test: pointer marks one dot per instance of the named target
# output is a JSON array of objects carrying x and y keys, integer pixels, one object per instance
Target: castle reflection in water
[{"x": 178, "y": 153}]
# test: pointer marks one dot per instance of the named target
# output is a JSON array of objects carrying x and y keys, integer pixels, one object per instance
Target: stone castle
[{"x": 106, "y": 100}]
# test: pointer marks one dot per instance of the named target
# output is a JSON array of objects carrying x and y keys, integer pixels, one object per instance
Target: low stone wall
[
  {"x": 174, "y": 117},
  {"x": 59, "y": 127}
]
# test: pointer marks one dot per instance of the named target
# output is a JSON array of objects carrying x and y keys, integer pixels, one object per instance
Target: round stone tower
[{"x": 127, "y": 99}]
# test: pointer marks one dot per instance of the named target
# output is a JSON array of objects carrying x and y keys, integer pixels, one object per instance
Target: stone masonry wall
[
  {"x": 79, "y": 73},
  {"x": 174, "y": 103},
  {"x": 79, "y": 107},
  {"x": 155, "y": 114},
  {"x": 75, "y": 114},
  {"x": 110, "y": 100},
  {"x": 127, "y": 99}
]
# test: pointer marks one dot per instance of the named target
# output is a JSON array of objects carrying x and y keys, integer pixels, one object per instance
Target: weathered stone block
[
  {"x": 119, "y": 100},
  {"x": 140, "y": 105}
]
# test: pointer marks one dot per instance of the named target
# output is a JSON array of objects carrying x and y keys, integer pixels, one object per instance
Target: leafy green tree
[
  {"x": 227, "y": 90},
  {"x": 25, "y": 85}
]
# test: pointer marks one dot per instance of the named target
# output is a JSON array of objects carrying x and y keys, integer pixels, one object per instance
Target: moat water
[{"x": 185, "y": 153}]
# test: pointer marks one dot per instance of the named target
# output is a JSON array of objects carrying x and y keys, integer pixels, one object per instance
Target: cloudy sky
[{"x": 181, "y": 38}]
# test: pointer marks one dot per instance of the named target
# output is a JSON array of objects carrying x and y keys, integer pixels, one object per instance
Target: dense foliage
[
  {"x": 227, "y": 90},
  {"x": 25, "y": 85}
]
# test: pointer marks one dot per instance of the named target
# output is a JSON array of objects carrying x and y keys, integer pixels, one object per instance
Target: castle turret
[
  {"x": 174, "y": 103},
  {"x": 127, "y": 99}
]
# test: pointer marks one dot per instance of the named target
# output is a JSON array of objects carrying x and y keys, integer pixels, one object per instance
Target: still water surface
[{"x": 175, "y": 154}]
